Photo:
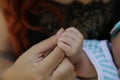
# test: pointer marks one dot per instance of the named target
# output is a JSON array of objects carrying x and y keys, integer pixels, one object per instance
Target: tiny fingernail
[{"x": 115, "y": 30}]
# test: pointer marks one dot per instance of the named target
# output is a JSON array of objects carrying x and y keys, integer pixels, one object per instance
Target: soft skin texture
[
  {"x": 34, "y": 64},
  {"x": 71, "y": 43}
]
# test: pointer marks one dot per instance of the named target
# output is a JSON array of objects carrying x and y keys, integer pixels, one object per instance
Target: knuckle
[{"x": 71, "y": 28}]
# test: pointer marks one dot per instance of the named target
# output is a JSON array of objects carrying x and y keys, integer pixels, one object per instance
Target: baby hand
[{"x": 71, "y": 43}]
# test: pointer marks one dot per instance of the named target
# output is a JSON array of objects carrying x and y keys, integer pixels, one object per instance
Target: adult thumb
[{"x": 48, "y": 44}]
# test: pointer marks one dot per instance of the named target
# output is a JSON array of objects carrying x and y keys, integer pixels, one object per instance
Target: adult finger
[
  {"x": 46, "y": 45},
  {"x": 64, "y": 71},
  {"x": 50, "y": 62}
]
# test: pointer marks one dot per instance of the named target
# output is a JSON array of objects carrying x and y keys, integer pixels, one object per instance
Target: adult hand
[{"x": 38, "y": 64}]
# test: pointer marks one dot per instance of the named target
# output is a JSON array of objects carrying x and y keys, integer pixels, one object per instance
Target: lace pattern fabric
[{"x": 92, "y": 19}]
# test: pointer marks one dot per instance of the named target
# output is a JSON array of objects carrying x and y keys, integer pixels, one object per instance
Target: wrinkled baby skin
[{"x": 71, "y": 42}]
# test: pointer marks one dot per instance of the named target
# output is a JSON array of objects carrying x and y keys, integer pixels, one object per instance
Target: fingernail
[
  {"x": 115, "y": 30},
  {"x": 60, "y": 32}
]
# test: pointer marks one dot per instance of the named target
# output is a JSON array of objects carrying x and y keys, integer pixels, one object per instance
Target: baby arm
[{"x": 71, "y": 42}]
